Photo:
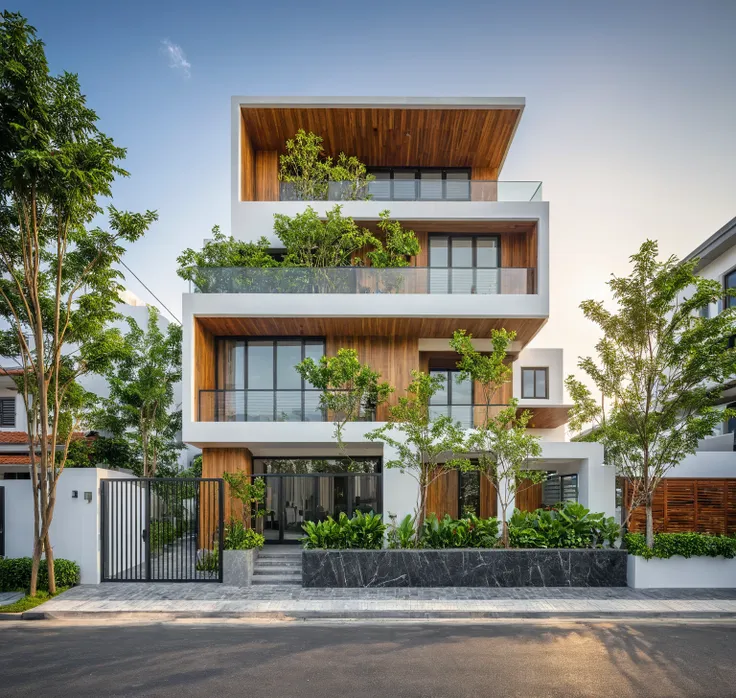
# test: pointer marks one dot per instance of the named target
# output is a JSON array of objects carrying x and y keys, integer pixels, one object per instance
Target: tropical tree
[
  {"x": 499, "y": 440},
  {"x": 660, "y": 366},
  {"x": 427, "y": 445},
  {"x": 210, "y": 269},
  {"x": 58, "y": 283},
  {"x": 349, "y": 388},
  {"x": 139, "y": 406},
  {"x": 399, "y": 246},
  {"x": 309, "y": 171}
]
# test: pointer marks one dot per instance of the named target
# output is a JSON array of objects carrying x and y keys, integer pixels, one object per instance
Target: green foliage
[
  {"x": 238, "y": 537},
  {"x": 208, "y": 560},
  {"x": 196, "y": 467},
  {"x": 250, "y": 493},
  {"x": 138, "y": 409},
  {"x": 427, "y": 447},
  {"x": 15, "y": 574},
  {"x": 29, "y": 602},
  {"x": 468, "y": 532},
  {"x": 686, "y": 544},
  {"x": 313, "y": 242},
  {"x": 363, "y": 531},
  {"x": 162, "y": 533},
  {"x": 309, "y": 171},
  {"x": 402, "y": 535},
  {"x": 59, "y": 276},
  {"x": 399, "y": 245},
  {"x": 658, "y": 362},
  {"x": 350, "y": 390},
  {"x": 569, "y": 525},
  {"x": 208, "y": 268}
]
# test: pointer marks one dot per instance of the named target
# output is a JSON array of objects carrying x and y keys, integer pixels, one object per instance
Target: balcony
[
  {"x": 366, "y": 280},
  {"x": 417, "y": 190}
]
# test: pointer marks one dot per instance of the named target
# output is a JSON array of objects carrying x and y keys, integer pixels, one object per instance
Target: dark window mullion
[{"x": 274, "y": 384}]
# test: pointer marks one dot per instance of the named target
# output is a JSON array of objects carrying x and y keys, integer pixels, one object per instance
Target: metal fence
[{"x": 162, "y": 530}]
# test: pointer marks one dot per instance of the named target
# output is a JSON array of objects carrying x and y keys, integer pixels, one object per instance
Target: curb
[{"x": 362, "y": 615}]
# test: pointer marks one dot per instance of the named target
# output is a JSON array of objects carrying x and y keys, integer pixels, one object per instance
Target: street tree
[
  {"x": 58, "y": 281},
  {"x": 659, "y": 370}
]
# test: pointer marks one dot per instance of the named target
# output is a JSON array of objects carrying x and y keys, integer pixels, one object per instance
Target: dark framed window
[
  {"x": 469, "y": 493},
  {"x": 730, "y": 424},
  {"x": 425, "y": 183},
  {"x": 454, "y": 400},
  {"x": 464, "y": 263},
  {"x": 7, "y": 412},
  {"x": 535, "y": 383},
  {"x": 257, "y": 380},
  {"x": 729, "y": 282}
]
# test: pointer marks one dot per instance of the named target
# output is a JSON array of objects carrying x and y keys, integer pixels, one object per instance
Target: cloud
[{"x": 176, "y": 56}]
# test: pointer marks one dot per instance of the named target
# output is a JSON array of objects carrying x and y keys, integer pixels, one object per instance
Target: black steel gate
[
  {"x": 2, "y": 522},
  {"x": 162, "y": 530}
]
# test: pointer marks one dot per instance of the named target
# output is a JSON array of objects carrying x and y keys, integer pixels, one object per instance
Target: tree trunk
[
  {"x": 650, "y": 523},
  {"x": 50, "y": 564},
  {"x": 421, "y": 511},
  {"x": 35, "y": 564},
  {"x": 504, "y": 529}
]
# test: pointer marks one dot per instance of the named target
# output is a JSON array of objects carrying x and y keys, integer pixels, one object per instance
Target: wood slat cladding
[
  {"x": 391, "y": 136},
  {"x": 529, "y": 498},
  {"x": 393, "y": 357},
  {"x": 443, "y": 495},
  {"x": 267, "y": 175},
  {"x": 525, "y": 328},
  {"x": 547, "y": 417},
  {"x": 681, "y": 505},
  {"x": 216, "y": 461},
  {"x": 204, "y": 368},
  {"x": 247, "y": 166},
  {"x": 488, "y": 498}
]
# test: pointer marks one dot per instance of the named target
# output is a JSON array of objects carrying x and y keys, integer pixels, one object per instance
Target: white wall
[
  {"x": 717, "y": 464},
  {"x": 20, "y": 410},
  {"x": 678, "y": 572},
  {"x": 75, "y": 528},
  {"x": 550, "y": 359}
]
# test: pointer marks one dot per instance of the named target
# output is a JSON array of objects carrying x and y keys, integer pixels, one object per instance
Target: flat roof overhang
[{"x": 473, "y": 132}]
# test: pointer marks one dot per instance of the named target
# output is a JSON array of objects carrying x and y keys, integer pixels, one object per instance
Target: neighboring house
[
  {"x": 484, "y": 264},
  {"x": 700, "y": 493},
  {"x": 14, "y": 458}
]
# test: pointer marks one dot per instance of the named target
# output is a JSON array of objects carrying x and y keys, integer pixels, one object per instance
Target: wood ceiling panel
[
  {"x": 392, "y": 137},
  {"x": 525, "y": 328}
]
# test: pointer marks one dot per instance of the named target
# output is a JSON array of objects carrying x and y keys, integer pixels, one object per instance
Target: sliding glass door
[{"x": 464, "y": 264}]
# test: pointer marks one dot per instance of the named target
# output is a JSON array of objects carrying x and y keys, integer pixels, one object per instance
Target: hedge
[
  {"x": 15, "y": 573},
  {"x": 686, "y": 544}
]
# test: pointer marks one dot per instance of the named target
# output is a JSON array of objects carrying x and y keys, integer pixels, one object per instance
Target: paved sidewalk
[{"x": 167, "y": 601}]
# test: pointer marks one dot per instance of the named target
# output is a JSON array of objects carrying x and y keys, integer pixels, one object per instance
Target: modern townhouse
[
  {"x": 700, "y": 493},
  {"x": 483, "y": 265}
]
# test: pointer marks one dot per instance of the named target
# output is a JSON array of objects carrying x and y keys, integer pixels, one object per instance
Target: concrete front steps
[{"x": 278, "y": 565}]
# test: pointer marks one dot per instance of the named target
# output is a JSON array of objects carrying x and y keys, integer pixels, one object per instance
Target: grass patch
[{"x": 29, "y": 602}]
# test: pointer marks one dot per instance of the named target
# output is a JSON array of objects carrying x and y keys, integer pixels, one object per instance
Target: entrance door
[{"x": 290, "y": 501}]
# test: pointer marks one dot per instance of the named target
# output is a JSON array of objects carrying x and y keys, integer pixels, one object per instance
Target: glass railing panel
[
  {"x": 412, "y": 190},
  {"x": 366, "y": 280}
]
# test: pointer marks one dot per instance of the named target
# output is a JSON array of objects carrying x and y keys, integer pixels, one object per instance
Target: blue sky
[{"x": 630, "y": 118}]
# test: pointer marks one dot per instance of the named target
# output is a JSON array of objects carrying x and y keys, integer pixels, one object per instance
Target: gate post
[
  {"x": 221, "y": 526},
  {"x": 148, "y": 530}
]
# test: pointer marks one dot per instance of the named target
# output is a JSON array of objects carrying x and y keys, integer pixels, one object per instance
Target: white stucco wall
[
  {"x": 75, "y": 528},
  {"x": 550, "y": 359}
]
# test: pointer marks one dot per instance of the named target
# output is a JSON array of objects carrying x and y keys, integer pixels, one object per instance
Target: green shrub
[
  {"x": 161, "y": 533},
  {"x": 569, "y": 525},
  {"x": 686, "y": 544},
  {"x": 15, "y": 574},
  {"x": 363, "y": 531},
  {"x": 401, "y": 535},
  {"x": 238, "y": 537},
  {"x": 470, "y": 532},
  {"x": 209, "y": 561}
]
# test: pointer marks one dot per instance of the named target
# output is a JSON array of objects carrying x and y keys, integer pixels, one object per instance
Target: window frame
[
  {"x": 473, "y": 237},
  {"x": 3, "y": 401},
  {"x": 450, "y": 381},
  {"x": 729, "y": 301},
  {"x": 418, "y": 176},
  {"x": 545, "y": 369},
  {"x": 304, "y": 341}
]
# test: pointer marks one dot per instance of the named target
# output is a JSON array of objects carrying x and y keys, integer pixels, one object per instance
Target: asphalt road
[{"x": 354, "y": 661}]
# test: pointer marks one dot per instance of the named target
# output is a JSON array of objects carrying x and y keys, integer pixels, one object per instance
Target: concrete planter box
[
  {"x": 464, "y": 568},
  {"x": 679, "y": 572},
  {"x": 237, "y": 567}
]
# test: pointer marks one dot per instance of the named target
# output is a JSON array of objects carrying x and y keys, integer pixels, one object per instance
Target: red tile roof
[
  {"x": 11, "y": 371},
  {"x": 15, "y": 459},
  {"x": 13, "y": 437}
]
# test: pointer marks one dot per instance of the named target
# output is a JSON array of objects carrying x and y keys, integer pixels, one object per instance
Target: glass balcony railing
[
  {"x": 414, "y": 190},
  {"x": 366, "y": 280}
]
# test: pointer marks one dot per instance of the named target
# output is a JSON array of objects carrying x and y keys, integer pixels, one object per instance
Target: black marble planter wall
[{"x": 464, "y": 568}]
